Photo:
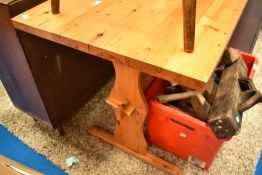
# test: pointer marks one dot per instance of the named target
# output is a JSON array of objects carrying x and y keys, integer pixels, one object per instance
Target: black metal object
[{"x": 250, "y": 95}]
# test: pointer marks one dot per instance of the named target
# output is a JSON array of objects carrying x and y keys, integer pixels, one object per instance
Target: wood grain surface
[
  {"x": 10, "y": 167},
  {"x": 145, "y": 35}
]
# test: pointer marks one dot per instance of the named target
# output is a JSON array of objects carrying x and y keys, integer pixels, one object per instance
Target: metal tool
[
  {"x": 177, "y": 96},
  {"x": 236, "y": 93}
]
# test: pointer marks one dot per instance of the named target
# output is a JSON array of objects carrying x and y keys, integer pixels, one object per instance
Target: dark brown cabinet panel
[
  {"x": 44, "y": 79},
  {"x": 245, "y": 35},
  {"x": 15, "y": 72},
  {"x": 66, "y": 78}
]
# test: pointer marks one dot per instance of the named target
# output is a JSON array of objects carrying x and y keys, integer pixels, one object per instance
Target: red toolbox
[{"x": 179, "y": 133}]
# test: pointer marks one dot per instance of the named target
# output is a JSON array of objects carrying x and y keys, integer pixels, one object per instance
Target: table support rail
[{"x": 147, "y": 158}]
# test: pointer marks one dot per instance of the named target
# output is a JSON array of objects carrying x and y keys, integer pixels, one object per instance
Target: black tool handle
[
  {"x": 256, "y": 98},
  {"x": 250, "y": 97}
]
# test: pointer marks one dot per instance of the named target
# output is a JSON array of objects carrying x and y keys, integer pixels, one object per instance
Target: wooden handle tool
[
  {"x": 177, "y": 96},
  {"x": 189, "y": 18},
  {"x": 201, "y": 106},
  {"x": 55, "y": 6}
]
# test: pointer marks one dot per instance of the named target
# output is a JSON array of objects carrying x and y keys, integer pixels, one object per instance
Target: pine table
[{"x": 138, "y": 36}]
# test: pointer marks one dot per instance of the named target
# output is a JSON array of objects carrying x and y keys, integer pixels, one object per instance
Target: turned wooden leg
[
  {"x": 189, "y": 18},
  {"x": 55, "y": 6},
  {"x": 130, "y": 108}
]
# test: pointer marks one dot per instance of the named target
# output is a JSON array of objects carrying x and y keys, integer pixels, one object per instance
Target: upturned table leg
[
  {"x": 189, "y": 18},
  {"x": 127, "y": 99},
  {"x": 55, "y": 6}
]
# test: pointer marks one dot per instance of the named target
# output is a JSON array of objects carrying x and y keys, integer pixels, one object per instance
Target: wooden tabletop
[{"x": 144, "y": 34}]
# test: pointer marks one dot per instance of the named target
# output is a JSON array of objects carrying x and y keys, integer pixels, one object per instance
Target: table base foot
[{"x": 147, "y": 158}]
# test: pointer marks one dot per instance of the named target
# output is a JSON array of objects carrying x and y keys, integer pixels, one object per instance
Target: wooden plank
[
  {"x": 10, "y": 167},
  {"x": 145, "y": 35},
  {"x": 147, "y": 158}
]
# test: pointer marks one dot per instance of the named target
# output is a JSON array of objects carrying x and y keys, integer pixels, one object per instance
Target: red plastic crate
[
  {"x": 179, "y": 133},
  {"x": 252, "y": 64}
]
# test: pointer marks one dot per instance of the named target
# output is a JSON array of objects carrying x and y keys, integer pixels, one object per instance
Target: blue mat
[
  {"x": 259, "y": 166},
  {"x": 16, "y": 150}
]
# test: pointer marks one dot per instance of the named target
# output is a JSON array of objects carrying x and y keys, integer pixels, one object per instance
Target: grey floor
[{"x": 238, "y": 156}]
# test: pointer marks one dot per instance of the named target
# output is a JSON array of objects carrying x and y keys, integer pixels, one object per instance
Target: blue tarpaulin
[
  {"x": 259, "y": 166},
  {"x": 14, "y": 149}
]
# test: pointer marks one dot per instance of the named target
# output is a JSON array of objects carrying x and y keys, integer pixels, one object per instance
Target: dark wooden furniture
[
  {"x": 245, "y": 35},
  {"x": 44, "y": 79}
]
